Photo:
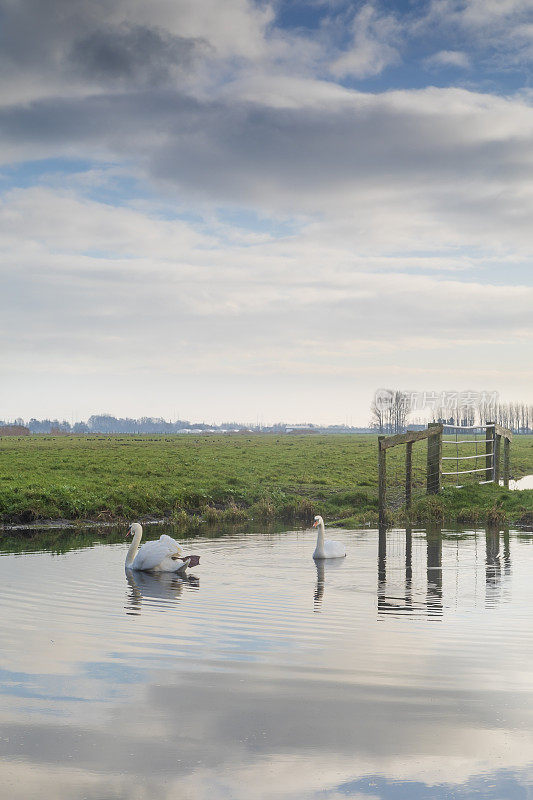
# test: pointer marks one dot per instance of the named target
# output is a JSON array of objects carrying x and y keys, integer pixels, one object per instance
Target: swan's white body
[
  {"x": 161, "y": 555},
  {"x": 326, "y": 548}
]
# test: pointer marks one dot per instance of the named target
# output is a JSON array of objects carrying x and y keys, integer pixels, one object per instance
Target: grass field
[{"x": 215, "y": 479}]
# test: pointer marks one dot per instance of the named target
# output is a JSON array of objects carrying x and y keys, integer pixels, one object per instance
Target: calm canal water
[{"x": 403, "y": 672}]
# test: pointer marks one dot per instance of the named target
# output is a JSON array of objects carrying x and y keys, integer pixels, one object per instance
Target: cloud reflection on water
[{"x": 246, "y": 693}]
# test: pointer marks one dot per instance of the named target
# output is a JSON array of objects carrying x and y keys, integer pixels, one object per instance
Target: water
[
  {"x": 522, "y": 483},
  {"x": 403, "y": 671}
]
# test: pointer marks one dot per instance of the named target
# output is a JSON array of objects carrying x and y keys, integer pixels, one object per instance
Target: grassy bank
[{"x": 218, "y": 479}]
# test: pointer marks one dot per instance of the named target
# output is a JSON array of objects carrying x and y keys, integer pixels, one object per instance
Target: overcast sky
[{"x": 265, "y": 210}]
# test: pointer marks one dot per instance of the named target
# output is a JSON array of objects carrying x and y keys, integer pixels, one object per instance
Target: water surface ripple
[{"x": 402, "y": 671}]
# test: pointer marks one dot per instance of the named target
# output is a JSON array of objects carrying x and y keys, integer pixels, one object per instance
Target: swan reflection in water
[
  {"x": 160, "y": 589},
  {"x": 323, "y": 566}
]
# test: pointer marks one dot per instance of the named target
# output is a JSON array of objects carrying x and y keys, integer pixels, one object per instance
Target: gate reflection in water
[{"x": 410, "y": 570}]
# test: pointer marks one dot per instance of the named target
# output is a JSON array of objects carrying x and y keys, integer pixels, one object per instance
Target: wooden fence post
[
  {"x": 490, "y": 433},
  {"x": 497, "y": 449},
  {"x": 408, "y": 558},
  {"x": 408, "y": 473},
  {"x": 382, "y": 555},
  {"x": 434, "y": 459},
  {"x": 382, "y": 481},
  {"x": 506, "y": 460}
]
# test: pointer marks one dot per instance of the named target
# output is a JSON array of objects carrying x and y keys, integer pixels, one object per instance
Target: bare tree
[
  {"x": 400, "y": 405},
  {"x": 377, "y": 418},
  {"x": 389, "y": 411}
]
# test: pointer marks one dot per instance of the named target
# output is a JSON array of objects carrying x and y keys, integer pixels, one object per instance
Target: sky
[{"x": 263, "y": 211}]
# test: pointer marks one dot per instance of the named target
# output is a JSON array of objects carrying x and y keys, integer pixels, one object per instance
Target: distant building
[{"x": 14, "y": 430}]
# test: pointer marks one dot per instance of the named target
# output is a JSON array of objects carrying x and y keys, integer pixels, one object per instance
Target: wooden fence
[{"x": 434, "y": 434}]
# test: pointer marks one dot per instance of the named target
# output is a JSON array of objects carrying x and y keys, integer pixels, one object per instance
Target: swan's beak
[
  {"x": 128, "y": 533},
  {"x": 315, "y": 524}
]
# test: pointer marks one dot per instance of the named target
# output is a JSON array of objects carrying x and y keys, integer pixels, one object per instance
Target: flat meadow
[{"x": 197, "y": 480}]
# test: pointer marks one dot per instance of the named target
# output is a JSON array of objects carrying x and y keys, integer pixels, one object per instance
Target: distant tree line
[
  {"x": 518, "y": 417},
  {"x": 105, "y": 423},
  {"x": 108, "y": 424},
  {"x": 13, "y": 430},
  {"x": 391, "y": 411}
]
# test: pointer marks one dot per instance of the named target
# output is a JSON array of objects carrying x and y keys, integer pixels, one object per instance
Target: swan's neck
[
  {"x": 319, "y": 549},
  {"x": 134, "y": 546}
]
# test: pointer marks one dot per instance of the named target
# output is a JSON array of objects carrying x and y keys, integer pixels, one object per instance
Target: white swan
[
  {"x": 161, "y": 555},
  {"x": 328, "y": 548}
]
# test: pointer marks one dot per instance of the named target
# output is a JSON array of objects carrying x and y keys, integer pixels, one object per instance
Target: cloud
[
  {"x": 492, "y": 30},
  {"x": 437, "y": 149},
  {"x": 483, "y": 13},
  {"x": 374, "y": 45},
  {"x": 449, "y": 58},
  {"x": 71, "y": 48},
  {"x": 237, "y": 190},
  {"x": 133, "y": 55},
  {"x": 94, "y": 286}
]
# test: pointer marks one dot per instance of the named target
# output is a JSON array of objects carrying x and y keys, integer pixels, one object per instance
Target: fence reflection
[{"x": 426, "y": 572}]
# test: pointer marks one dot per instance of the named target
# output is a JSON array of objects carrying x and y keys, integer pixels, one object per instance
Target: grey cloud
[
  {"x": 290, "y": 151},
  {"x": 212, "y": 721},
  {"x": 220, "y": 150},
  {"x": 225, "y": 150},
  {"x": 75, "y": 43},
  {"x": 133, "y": 54},
  {"x": 97, "y": 121},
  {"x": 35, "y": 32},
  {"x": 221, "y": 736}
]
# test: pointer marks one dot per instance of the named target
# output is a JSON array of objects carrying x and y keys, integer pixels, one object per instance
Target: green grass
[{"x": 225, "y": 479}]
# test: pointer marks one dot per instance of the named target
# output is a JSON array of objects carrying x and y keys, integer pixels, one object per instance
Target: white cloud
[
  {"x": 163, "y": 298},
  {"x": 61, "y": 223},
  {"x": 449, "y": 58},
  {"x": 492, "y": 29},
  {"x": 374, "y": 45}
]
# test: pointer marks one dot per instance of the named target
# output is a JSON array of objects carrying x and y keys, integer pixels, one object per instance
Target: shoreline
[
  {"x": 448, "y": 508},
  {"x": 196, "y": 483}
]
